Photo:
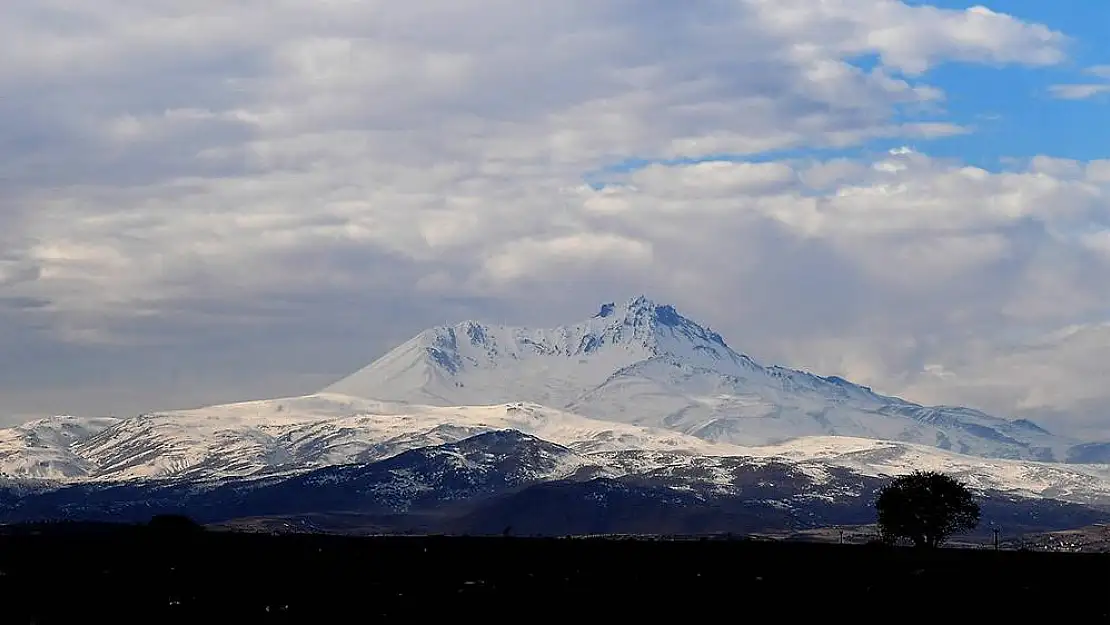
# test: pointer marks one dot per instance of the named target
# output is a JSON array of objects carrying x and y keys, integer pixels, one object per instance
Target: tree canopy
[
  {"x": 174, "y": 523},
  {"x": 925, "y": 507}
]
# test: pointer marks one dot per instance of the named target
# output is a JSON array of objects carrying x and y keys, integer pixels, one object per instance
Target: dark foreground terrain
[{"x": 144, "y": 574}]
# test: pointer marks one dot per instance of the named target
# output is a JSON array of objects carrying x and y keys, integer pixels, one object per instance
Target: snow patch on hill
[
  {"x": 298, "y": 434},
  {"x": 301, "y": 433}
]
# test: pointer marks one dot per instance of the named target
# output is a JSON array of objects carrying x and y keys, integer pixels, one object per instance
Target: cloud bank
[{"x": 252, "y": 196}]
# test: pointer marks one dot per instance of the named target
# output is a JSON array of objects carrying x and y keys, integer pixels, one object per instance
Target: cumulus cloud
[{"x": 295, "y": 187}]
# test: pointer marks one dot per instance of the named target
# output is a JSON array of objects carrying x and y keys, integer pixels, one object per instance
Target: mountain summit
[
  {"x": 475, "y": 363},
  {"x": 644, "y": 363},
  {"x": 657, "y": 325}
]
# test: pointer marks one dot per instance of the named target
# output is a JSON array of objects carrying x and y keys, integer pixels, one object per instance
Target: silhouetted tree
[
  {"x": 926, "y": 508},
  {"x": 174, "y": 523}
]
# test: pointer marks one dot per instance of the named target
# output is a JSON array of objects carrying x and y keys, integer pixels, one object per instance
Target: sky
[{"x": 210, "y": 201}]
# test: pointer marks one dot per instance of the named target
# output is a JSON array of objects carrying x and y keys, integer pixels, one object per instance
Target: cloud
[
  {"x": 255, "y": 132},
  {"x": 294, "y": 187},
  {"x": 914, "y": 38},
  {"x": 1048, "y": 374},
  {"x": 530, "y": 258},
  {"x": 1079, "y": 92},
  {"x": 1087, "y": 90}
]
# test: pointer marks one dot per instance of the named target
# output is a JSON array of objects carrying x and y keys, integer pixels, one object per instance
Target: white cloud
[
  {"x": 302, "y": 184},
  {"x": 584, "y": 252},
  {"x": 1098, "y": 241},
  {"x": 1085, "y": 90},
  {"x": 262, "y": 128},
  {"x": 1048, "y": 374},
  {"x": 1079, "y": 91},
  {"x": 912, "y": 39}
]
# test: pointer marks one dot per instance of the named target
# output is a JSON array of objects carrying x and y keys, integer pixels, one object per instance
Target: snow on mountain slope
[
  {"x": 301, "y": 433},
  {"x": 818, "y": 455},
  {"x": 476, "y": 364},
  {"x": 509, "y": 479},
  {"x": 481, "y": 465},
  {"x": 42, "y": 449},
  {"x": 645, "y": 364},
  {"x": 294, "y": 435},
  {"x": 637, "y": 383},
  {"x": 777, "y": 404},
  {"x": 1077, "y": 483}
]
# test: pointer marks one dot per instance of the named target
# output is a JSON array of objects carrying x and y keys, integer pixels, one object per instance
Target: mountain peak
[
  {"x": 643, "y": 362},
  {"x": 474, "y": 363},
  {"x": 643, "y": 311},
  {"x": 633, "y": 307}
]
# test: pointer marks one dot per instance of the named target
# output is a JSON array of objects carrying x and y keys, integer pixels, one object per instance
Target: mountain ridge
[
  {"x": 271, "y": 439},
  {"x": 637, "y": 400},
  {"x": 646, "y": 364},
  {"x": 486, "y": 482}
]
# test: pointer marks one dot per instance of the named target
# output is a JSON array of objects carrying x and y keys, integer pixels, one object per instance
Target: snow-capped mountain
[
  {"x": 646, "y": 364},
  {"x": 506, "y": 479},
  {"x": 473, "y": 363},
  {"x": 290, "y": 436},
  {"x": 296, "y": 434},
  {"x": 635, "y": 406},
  {"x": 44, "y": 449}
]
